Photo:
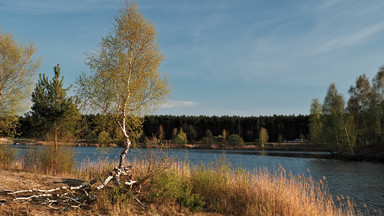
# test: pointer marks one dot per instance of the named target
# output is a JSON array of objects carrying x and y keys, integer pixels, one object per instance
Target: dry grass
[{"x": 170, "y": 188}]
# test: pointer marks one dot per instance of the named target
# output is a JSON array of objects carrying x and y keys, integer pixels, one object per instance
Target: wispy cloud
[
  {"x": 178, "y": 104},
  {"x": 350, "y": 39},
  {"x": 56, "y": 6}
]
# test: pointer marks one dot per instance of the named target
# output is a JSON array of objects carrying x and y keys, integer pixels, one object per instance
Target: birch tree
[
  {"x": 377, "y": 105},
  {"x": 18, "y": 66},
  {"x": 359, "y": 105},
  {"x": 315, "y": 122},
  {"x": 263, "y": 136},
  {"x": 124, "y": 79},
  {"x": 338, "y": 126}
]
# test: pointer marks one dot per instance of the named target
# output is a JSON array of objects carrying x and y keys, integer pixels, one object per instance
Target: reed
[
  {"x": 171, "y": 187},
  {"x": 8, "y": 155},
  {"x": 49, "y": 160}
]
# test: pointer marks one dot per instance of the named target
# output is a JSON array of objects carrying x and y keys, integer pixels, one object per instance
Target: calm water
[{"x": 361, "y": 181}]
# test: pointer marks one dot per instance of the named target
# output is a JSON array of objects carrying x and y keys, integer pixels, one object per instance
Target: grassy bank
[{"x": 171, "y": 188}]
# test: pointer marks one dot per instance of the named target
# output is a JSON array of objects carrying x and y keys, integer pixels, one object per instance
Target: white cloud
[
  {"x": 350, "y": 39},
  {"x": 178, "y": 104}
]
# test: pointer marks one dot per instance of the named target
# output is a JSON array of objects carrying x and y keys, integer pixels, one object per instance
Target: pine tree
[{"x": 53, "y": 112}]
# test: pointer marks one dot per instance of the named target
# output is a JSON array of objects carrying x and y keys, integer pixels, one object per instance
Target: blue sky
[{"x": 223, "y": 57}]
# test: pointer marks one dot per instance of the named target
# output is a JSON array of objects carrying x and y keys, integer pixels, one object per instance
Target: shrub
[
  {"x": 7, "y": 155},
  {"x": 190, "y": 200},
  {"x": 166, "y": 186},
  {"x": 171, "y": 186},
  {"x": 235, "y": 139}
]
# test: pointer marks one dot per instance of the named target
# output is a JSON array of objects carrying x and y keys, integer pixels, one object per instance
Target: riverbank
[
  {"x": 299, "y": 149},
  {"x": 179, "y": 189},
  {"x": 303, "y": 146}
]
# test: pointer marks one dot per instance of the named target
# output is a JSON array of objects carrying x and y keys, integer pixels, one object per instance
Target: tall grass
[
  {"x": 222, "y": 189},
  {"x": 217, "y": 187},
  {"x": 49, "y": 160},
  {"x": 8, "y": 155}
]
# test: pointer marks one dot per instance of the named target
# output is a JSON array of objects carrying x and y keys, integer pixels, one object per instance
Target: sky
[{"x": 222, "y": 57}]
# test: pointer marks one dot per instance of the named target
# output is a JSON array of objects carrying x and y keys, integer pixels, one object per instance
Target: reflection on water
[{"x": 361, "y": 181}]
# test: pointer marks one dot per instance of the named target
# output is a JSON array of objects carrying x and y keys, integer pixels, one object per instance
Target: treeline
[
  {"x": 346, "y": 127},
  {"x": 279, "y": 127},
  {"x": 102, "y": 129}
]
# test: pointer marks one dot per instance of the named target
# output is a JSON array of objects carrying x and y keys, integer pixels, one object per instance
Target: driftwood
[
  {"x": 65, "y": 194},
  {"x": 78, "y": 196}
]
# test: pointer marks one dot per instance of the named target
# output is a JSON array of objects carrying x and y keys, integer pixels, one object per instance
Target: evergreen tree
[{"x": 53, "y": 113}]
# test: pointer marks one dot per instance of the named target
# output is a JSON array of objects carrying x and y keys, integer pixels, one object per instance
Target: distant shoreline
[{"x": 300, "y": 150}]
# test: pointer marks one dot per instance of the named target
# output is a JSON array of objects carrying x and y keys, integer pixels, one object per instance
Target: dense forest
[
  {"x": 101, "y": 128},
  {"x": 196, "y": 127}
]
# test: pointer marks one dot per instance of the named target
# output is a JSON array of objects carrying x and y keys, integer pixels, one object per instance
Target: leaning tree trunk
[{"x": 121, "y": 169}]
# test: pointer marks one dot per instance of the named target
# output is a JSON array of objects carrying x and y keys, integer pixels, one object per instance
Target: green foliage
[
  {"x": 219, "y": 139},
  {"x": 290, "y": 127},
  {"x": 279, "y": 139},
  {"x": 167, "y": 186},
  {"x": 125, "y": 81},
  {"x": 181, "y": 138},
  {"x": 191, "y": 133},
  {"x": 121, "y": 195},
  {"x": 235, "y": 139},
  {"x": 338, "y": 126},
  {"x": 17, "y": 72},
  {"x": 54, "y": 115},
  {"x": 171, "y": 187},
  {"x": 7, "y": 155},
  {"x": 190, "y": 200},
  {"x": 104, "y": 138},
  {"x": 315, "y": 122},
  {"x": 208, "y": 138},
  {"x": 8, "y": 126}
]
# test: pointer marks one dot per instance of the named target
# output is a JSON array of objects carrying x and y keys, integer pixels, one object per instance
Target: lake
[{"x": 363, "y": 182}]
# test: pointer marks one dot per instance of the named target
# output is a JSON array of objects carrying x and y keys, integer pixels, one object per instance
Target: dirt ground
[
  {"x": 18, "y": 180},
  {"x": 13, "y": 180}
]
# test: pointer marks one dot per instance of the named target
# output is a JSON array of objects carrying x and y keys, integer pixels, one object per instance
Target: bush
[
  {"x": 166, "y": 186},
  {"x": 7, "y": 155},
  {"x": 172, "y": 187},
  {"x": 235, "y": 139}
]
